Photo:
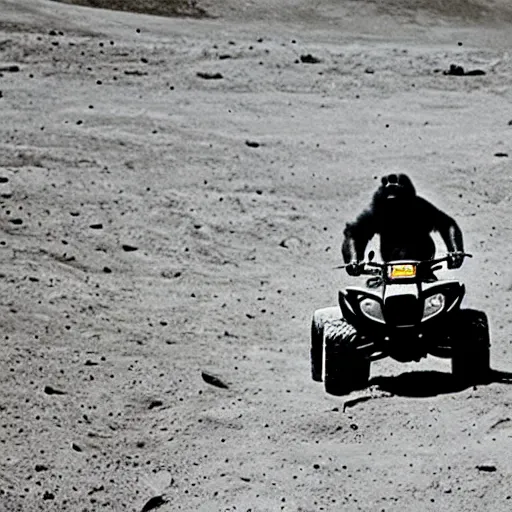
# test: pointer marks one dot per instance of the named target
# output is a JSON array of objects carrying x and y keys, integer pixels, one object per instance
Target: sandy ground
[{"x": 157, "y": 224}]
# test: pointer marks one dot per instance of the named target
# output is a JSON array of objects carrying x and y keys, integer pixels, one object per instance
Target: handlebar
[{"x": 372, "y": 267}]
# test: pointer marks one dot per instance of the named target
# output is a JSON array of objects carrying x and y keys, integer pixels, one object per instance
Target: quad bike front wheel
[
  {"x": 320, "y": 317},
  {"x": 471, "y": 348},
  {"x": 345, "y": 369}
]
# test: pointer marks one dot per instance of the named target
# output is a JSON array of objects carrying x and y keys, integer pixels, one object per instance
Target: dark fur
[{"x": 404, "y": 223}]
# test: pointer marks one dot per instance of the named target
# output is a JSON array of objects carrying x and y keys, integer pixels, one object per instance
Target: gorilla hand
[
  {"x": 354, "y": 268},
  {"x": 455, "y": 260}
]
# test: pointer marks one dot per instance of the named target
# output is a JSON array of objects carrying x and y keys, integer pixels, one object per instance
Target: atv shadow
[{"x": 420, "y": 384}]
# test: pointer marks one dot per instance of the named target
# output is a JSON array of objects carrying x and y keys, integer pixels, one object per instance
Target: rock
[
  {"x": 309, "y": 59},
  {"x": 96, "y": 489},
  {"x": 501, "y": 155},
  {"x": 3, "y": 179},
  {"x": 76, "y": 447},
  {"x": 213, "y": 380},
  {"x": 291, "y": 242},
  {"x": 96, "y": 226},
  {"x": 154, "y": 502},
  {"x": 155, "y": 403},
  {"x": 135, "y": 72},
  {"x": 487, "y": 467},
  {"x": 209, "y": 76},
  {"x": 370, "y": 71},
  {"x": 252, "y": 144},
  {"x": 129, "y": 248},
  {"x": 9, "y": 69},
  {"x": 48, "y": 495},
  {"x": 52, "y": 391},
  {"x": 40, "y": 467},
  {"x": 456, "y": 70}
]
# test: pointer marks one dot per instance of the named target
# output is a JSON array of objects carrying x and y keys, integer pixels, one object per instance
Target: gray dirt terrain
[{"x": 173, "y": 193}]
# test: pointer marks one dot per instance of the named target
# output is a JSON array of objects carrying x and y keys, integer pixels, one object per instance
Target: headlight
[
  {"x": 433, "y": 305},
  {"x": 371, "y": 308}
]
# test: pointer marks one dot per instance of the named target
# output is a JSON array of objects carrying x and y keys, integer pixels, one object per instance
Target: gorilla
[{"x": 404, "y": 222}]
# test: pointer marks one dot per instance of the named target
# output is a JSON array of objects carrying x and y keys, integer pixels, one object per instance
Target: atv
[{"x": 404, "y": 313}]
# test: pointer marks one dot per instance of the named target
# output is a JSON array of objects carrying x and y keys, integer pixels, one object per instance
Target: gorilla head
[{"x": 395, "y": 193}]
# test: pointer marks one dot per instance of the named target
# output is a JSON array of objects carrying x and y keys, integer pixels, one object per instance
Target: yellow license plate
[{"x": 398, "y": 271}]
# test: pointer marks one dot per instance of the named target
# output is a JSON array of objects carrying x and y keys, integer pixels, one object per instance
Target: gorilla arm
[
  {"x": 451, "y": 235},
  {"x": 356, "y": 237},
  {"x": 449, "y": 230}
]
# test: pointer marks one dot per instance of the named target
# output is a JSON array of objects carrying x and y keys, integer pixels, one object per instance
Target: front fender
[
  {"x": 349, "y": 300},
  {"x": 453, "y": 291}
]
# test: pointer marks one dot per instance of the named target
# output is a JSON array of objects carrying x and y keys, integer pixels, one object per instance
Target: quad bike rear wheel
[
  {"x": 471, "y": 348},
  {"x": 345, "y": 369}
]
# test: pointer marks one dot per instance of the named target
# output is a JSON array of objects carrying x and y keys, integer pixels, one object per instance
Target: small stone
[
  {"x": 213, "y": 380},
  {"x": 155, "y": 403},
  {"x": 9, "y": 69},
  {"x": 49, "y": 390},
  {"x": 154, "y": 502},
  {"x": 129, "y": 248},
  {"x": 96, "y": 226},
  {"x": 252, "y": 144},
  {"x": 209, "y": 76},
  {"x": 487, "y": 467},
  {"x": 309, "y": 59}
]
